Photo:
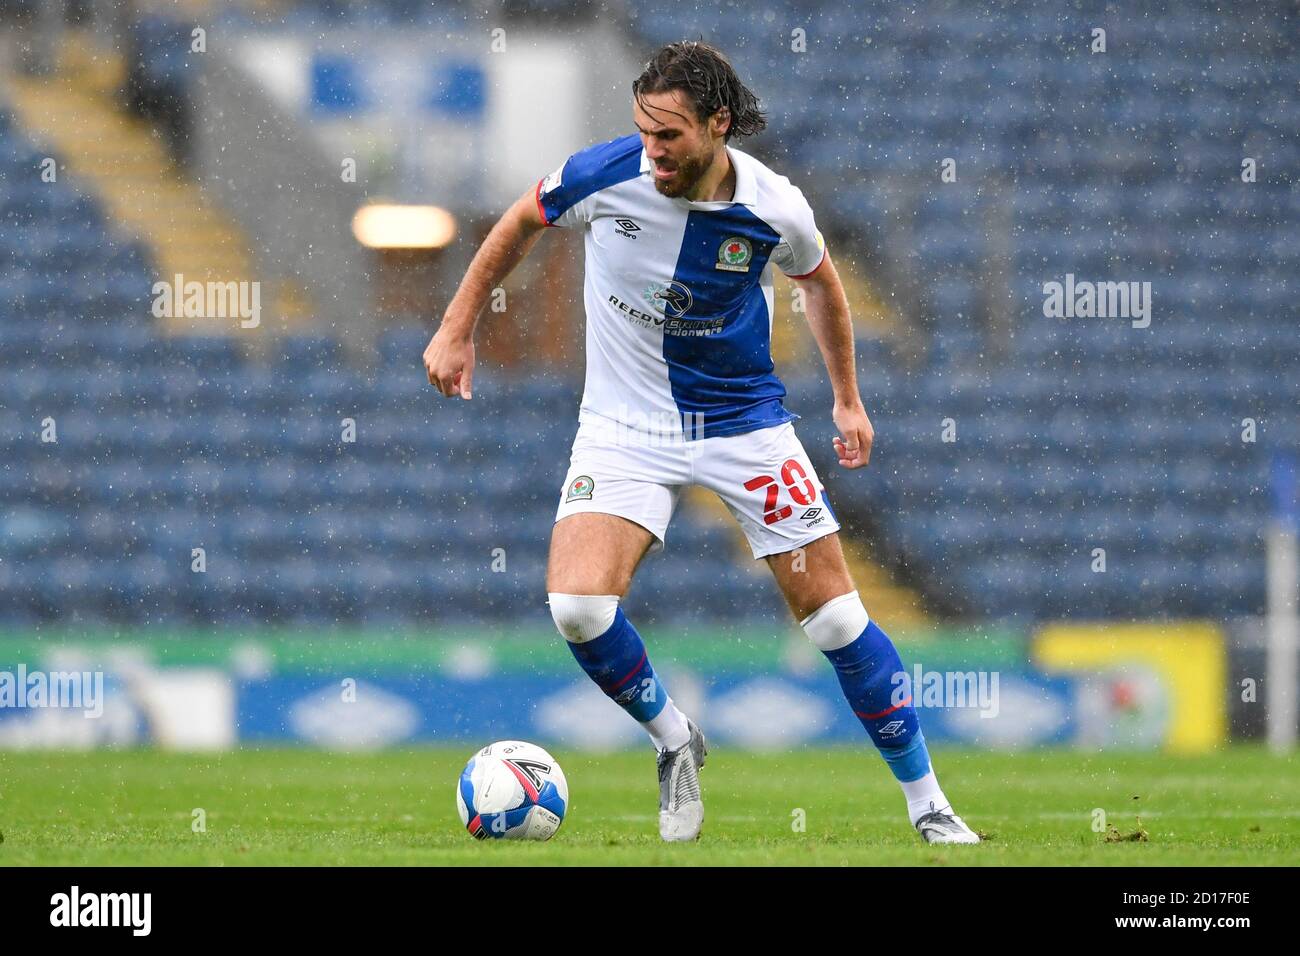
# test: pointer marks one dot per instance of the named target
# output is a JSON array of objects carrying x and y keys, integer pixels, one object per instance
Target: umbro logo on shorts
[{"x": 812, "y": 515}]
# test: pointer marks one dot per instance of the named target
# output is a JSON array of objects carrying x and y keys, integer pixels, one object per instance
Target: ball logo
[
  {"x": 734, "y": 254},
  {"x": 533, "y": 770}
]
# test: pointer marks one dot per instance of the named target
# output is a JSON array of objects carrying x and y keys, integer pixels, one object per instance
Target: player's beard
[{"x": 689, "y": 170}]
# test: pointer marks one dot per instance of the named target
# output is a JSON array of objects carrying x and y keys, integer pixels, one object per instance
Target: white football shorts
[{"x": 764, "y": 478}]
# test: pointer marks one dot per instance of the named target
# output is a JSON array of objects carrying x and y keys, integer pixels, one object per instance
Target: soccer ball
[{"x": 512, "y": 790}]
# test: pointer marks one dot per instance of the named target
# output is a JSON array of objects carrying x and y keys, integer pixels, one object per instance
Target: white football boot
[
  {"x": 944, "y": 826},
  {"x": 681, "y": 811}
]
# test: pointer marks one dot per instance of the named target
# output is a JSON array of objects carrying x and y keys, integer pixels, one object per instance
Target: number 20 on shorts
[{"x": 792, "y": 474}]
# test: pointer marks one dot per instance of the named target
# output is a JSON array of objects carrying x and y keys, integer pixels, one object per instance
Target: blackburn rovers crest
[
  {"x": 735, "y": 254},
  {"x": 580, "y": 487}
]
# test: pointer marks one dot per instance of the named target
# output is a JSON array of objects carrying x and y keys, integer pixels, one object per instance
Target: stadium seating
[
  {"x": 165, "y": 445},
  {"x": 1071, "y": 435}
]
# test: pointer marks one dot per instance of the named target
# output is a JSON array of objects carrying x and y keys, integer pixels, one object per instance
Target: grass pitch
[{"x": 1240, "y": 807}]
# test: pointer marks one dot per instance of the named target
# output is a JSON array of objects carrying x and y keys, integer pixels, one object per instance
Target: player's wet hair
[{"x": 710, "y": 81}]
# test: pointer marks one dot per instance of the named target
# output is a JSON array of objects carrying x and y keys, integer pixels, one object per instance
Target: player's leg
[
  {"x": 595, "y": 553},
  {"x": 819, "y": 590},
  {"x": 605, "y": 526},
  {"x": 593, "y": 557},
  {"x": 770, "y": 486}
]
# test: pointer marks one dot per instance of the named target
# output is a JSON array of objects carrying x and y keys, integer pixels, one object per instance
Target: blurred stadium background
[{"x": 233, "y": 520}]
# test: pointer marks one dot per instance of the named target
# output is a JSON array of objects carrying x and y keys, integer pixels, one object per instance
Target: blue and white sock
[
  {"x": 873, "y": 680},
  {"x": 614, "y": 656}
]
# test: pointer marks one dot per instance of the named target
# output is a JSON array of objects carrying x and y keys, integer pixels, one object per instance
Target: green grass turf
[{"x": 1238, "y": 807}]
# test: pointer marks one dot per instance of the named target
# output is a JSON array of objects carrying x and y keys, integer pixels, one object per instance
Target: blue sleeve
[{"x": 564, "y": 198}]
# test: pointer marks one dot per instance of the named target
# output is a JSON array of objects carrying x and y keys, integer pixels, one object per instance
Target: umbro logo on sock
[{"x": 892, "y": 729}]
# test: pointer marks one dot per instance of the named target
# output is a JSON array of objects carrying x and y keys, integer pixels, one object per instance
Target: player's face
[{"x": 680, "y": 147}]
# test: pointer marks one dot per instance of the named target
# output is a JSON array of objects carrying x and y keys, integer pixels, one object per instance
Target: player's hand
[
  {"x": 853, "y": 444},
  {"x": 449, "y": 360}
]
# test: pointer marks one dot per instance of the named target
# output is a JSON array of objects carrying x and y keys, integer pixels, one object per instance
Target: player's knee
[
  {"x": 583, "y": 617},
  {"x": 837, "y": 623}
]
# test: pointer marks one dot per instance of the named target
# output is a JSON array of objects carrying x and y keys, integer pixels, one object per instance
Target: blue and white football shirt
[{"x": 678, "y": 294}]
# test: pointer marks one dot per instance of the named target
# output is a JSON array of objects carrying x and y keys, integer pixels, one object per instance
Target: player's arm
[
  {"x": 449, "y": 357},
  {"x": 827, "y": 310}
]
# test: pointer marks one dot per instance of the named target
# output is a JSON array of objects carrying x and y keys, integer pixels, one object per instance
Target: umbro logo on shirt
[{"x": 625, "y": 227}]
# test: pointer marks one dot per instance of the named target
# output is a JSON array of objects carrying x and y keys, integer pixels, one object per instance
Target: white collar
[{"x": 746, "y": 189}]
